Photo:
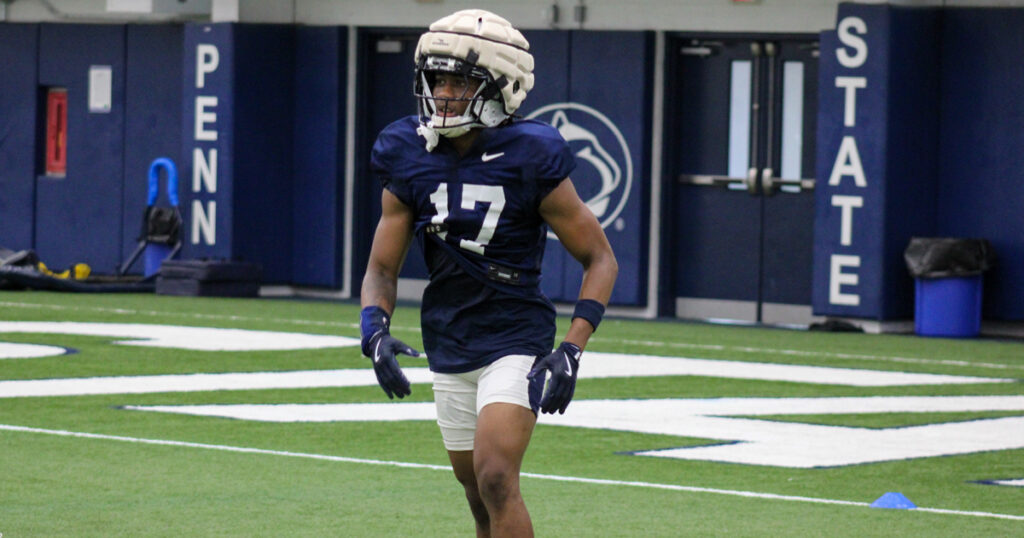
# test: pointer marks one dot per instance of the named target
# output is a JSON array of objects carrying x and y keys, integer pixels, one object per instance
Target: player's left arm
[{"x": 580, "y": 233}]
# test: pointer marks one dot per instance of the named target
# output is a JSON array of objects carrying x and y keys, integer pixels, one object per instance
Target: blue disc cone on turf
[{"x": 893, "y": 500}]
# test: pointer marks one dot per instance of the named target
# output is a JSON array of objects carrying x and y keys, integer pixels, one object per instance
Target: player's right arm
[
  {"x": 390, "y": 245},
  {"x": 379, "y": 292}
]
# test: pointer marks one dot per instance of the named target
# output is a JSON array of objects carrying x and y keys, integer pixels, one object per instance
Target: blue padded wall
[
  {"x": 319, "y": 160},
  {"x": 981, "y": 183},
  {"x": 608, "y": 127},
  {"x": 207, "y": 198},
  {"x": 18, "y": 153},
  {"x": 861, "y": 298},
  {"x": 551, "y": 85},
  {"x": 264, "y": 56},
  {"x": 551, "y": 54},
  {"x": 78, "y": 217},
  {"x": 252, "y": 82},
  {"x": 939, "y": 138},
  {"x": 894, "y": 128},
  {"x": 152, "y": 120},
  {"x": 384, "y": 95},
  {"x": 626, "y": 107},
  {"x": 912, "y": 163}
]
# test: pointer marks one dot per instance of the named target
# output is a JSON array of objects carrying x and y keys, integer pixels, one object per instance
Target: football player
[{"x": 478, "y": 189}]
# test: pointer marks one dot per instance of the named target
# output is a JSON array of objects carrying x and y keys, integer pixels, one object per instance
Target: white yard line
[
  {"x": 184, "y": 337},
  {"x": 803, "y": 353},
  {"x": 557, "y": 478},
  {"x": 599, "y": 365},
  {"x": 596, "y": 339},
  {"x": 192, "y": 315}
]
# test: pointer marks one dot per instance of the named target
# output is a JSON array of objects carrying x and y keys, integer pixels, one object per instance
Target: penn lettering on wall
[{"x": 204, "y": 160}]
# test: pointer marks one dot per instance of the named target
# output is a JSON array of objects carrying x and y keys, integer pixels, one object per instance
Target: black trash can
[{"x": 948, "y": 284}]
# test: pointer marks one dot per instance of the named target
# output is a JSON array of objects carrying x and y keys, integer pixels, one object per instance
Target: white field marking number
[
  {"x": 471, "y": 195},
  {"x": 754, "y": 441}
]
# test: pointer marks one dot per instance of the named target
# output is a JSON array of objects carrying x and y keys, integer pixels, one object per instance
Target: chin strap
[{"x": 429, "y": 134}]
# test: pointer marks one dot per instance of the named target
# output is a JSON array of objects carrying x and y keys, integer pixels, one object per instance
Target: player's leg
[
  {"x": 504, "y": 425},
  {"x": 455, "y": 398},
  {"x": 502, "y": 435},
  {"x": 462, "y": 464}
]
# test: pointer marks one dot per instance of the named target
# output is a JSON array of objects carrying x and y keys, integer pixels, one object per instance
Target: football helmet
[{"x": 479, "y": 45}]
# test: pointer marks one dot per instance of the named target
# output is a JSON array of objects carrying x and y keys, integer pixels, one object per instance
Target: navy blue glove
[
  {"x": 379, "y": 345},
  {"x": 564, "y": 364}
]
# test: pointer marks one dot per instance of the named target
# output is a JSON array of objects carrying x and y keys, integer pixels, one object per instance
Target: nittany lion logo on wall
[{"x": 604, "y": 171}]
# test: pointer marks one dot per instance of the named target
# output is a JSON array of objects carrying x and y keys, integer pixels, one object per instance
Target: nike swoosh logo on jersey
[{"x": 485, "y": 157}]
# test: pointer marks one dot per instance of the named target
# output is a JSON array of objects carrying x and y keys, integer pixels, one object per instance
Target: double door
[{"x": 741, "y": 147}]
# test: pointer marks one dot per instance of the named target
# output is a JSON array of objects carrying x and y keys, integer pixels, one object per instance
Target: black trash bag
[
  {"x": 944, "y": 257},
  {"x": 10, "y": 259},
  {"x": 21, "y": 257}
]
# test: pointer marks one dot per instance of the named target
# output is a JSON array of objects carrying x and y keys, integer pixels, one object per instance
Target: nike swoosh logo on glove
[{"x": 568, "y": 364}]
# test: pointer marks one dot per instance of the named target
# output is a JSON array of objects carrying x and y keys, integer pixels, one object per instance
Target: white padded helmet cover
[{"x": 498, "y": 47}]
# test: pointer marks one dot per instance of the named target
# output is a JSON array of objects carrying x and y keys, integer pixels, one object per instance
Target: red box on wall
[{"x": 56, "y": 132}]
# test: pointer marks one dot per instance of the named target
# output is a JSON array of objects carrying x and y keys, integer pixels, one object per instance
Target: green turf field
[{"x": 747, "y": 442}]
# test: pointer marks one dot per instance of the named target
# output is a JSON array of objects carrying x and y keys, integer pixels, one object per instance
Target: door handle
[
  {"x": 767, "y": 182},
  {"x": 731, "y": 183},
  {"x": 751, "y": 181},
  {"x": 791, "y": 186}
]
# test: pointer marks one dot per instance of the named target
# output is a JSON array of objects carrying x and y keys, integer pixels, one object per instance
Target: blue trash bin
[
  {"x": 948, "y": 284},
  {"x": 948, "y": 307}
]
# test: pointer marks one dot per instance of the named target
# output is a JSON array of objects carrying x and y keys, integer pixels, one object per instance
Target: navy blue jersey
[{"x": 477, "y": 220}]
